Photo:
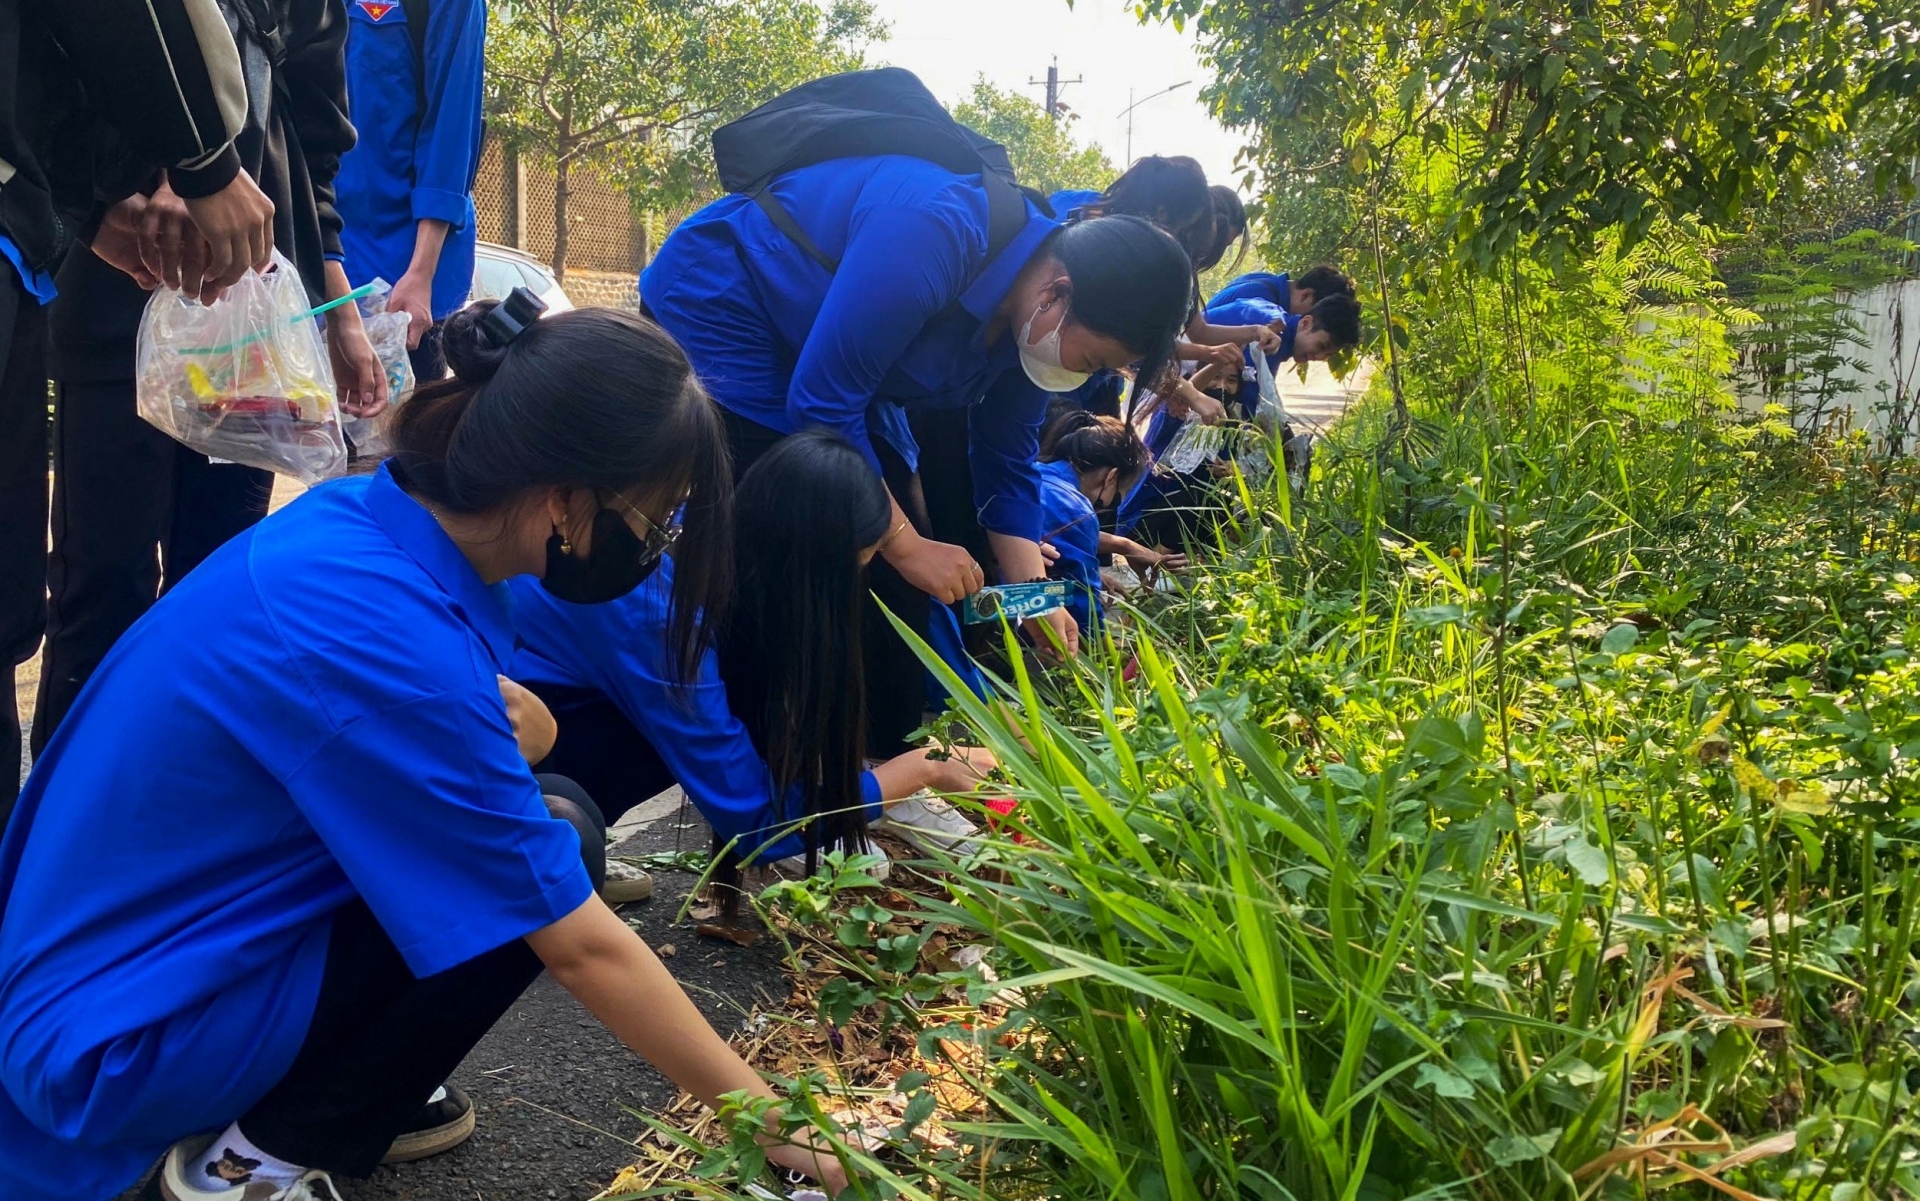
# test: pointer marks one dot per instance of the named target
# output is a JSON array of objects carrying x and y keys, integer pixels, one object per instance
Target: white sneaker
[
  {"x": 174, "y": 1184},
  {"x": 796, "y": 865},
  {"x": 932, "y": 824}
]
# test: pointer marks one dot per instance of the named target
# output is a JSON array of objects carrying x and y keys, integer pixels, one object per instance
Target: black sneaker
[{"x": 441, "y": 1125}]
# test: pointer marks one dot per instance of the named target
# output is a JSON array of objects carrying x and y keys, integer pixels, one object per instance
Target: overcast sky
[{"x": 948, "y": 42}]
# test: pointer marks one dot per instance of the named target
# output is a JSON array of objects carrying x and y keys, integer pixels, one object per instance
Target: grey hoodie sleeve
[{"x": 166, "y": 74}]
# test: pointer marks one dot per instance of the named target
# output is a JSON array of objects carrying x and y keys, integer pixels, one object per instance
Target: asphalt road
[{"x": 553, "y": 1091}]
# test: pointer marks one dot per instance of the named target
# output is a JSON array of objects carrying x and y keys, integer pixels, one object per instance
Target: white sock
[{"x": 231, "y": 1161}]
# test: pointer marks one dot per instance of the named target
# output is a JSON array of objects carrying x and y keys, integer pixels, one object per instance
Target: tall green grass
[{"x": 1529, "y": 809}]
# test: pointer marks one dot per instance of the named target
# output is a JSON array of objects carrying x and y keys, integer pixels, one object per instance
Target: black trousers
[
  {"x": 23, "y": 505},
  {"x": 603, "y": 752},
  {"x": 133, "y": 512},
  {"x": 895, "y": 680},
  {"x": 382, "y": 1041}
]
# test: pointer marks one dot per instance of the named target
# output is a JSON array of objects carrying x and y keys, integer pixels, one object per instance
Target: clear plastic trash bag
[
  {"x": 1194, "y": 446},
  {"x": 246, "y": 378},
  {"x": 387, "y": 331}
]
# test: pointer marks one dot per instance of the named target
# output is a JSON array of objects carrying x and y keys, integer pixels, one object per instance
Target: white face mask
[{"x": 1041, "y": 360}]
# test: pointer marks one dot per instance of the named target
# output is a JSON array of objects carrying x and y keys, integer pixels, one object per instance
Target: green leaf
[
  {"x": 1620, "y": 639},
  {"x": 1345, "y": 776},
  {"x": 920, "y": 1107},
  {"x": 1443, "y": 1082},
  {"x": 1516, "y": 1148},
  {"x": 1844, "y": 1077},
  {"x": 1589, "y": 862}
]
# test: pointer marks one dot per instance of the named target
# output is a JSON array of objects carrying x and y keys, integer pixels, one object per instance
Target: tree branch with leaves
[{"x": 632, "y": 89}]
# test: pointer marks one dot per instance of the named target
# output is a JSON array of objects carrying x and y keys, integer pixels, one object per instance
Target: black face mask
[{"x": 615, "y": 566}]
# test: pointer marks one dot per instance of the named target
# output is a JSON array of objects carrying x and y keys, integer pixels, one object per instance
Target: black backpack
[{"x": 858, "y": 115}]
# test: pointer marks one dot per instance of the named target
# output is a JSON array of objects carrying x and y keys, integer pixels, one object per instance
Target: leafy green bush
[{"x": 1529, "y": 809}]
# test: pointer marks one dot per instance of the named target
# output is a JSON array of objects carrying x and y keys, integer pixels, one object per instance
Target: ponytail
[
  {"x": 591, "y": 398},
  {"x": 1171, "y": 193},
  {"x": 1229, "y": 226},
  {"x": 1090, "y": 442}
]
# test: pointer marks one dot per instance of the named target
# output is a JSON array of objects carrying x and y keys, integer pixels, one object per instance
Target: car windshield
[{"x": 495, "y": 277}]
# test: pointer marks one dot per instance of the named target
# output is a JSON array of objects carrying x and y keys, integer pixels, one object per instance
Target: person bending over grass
[{"x": 767, "y": 738}]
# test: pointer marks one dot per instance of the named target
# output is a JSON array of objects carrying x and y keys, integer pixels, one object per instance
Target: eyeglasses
[{"x": 659, "y": 538}]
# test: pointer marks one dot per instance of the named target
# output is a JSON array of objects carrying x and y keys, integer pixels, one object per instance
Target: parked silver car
[{"x": 498, "y": 270}]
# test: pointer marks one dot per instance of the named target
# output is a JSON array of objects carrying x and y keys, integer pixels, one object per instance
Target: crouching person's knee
[{"x": 570, "y": 803}]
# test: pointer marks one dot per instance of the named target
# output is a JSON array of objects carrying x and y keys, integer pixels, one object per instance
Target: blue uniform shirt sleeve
[
  {"x": 1003, "y": 431},
  {"x": 903, "y": 265},
  {"x": 1074, "y": 530},
  {"x": 1255, "y": 311},
  {"x": 447, "y": 146},
  {"x": 438, "y": 824}
]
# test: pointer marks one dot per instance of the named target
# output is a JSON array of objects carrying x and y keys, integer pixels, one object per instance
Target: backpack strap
[
  {"x": 417, "y": 11},
  {"x": 784, "y": 222},
  {"x": 1006, "y": 217},
  {"x": 257, "y": 22}
]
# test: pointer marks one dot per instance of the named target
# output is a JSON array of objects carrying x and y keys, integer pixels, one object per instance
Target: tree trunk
[{"x": 562, "y": 189}]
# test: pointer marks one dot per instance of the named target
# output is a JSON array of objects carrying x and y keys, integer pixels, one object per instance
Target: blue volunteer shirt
[
  {"x": 1073, "y": 202},
  {"x": 1274, "y": 287},
  {"x": 620, "y": 650},
  {"x": 1152, "y": 486},
  {"x": 1254, "y": 310},
  {"x": 1074, "y": 530},
  {"x": 312, "y": 716},
  {"x": 781, "y": 341},
  {"x": 410, "y": 166}
]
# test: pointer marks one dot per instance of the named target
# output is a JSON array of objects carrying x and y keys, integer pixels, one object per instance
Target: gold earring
[{"x": 566, "y": 545}]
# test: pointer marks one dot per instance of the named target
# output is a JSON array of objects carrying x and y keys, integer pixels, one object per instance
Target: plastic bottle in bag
[{"x": 246, "y": 378}]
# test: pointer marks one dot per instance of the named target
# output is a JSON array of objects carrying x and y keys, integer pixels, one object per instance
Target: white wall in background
[{"x": 1889, "y": 318}]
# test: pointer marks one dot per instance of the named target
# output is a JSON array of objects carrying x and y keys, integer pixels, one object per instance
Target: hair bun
[{"x": 470, "y": 354}]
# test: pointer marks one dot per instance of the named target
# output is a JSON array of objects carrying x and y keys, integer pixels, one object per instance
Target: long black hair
[
  {"x": 790, "y": 651},
  {"x": 1091, "y": 442},
  {"x": 1131, "y": 282},
  {"x": 592, "y": 398},
  {"x": 1171, "y": 192},
  {"x": 1229, "y": 226}
]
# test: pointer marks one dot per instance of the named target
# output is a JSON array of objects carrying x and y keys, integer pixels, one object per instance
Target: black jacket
[
  {"x": 165, "y": 71},
  {"x": 293, "y": 59}
]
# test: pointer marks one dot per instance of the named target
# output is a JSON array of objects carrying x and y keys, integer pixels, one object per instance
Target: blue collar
[
  {"x": 1067, "y": 475},
  {"x": 990, "y": 287},
  {"x": 415, "y": 531}
]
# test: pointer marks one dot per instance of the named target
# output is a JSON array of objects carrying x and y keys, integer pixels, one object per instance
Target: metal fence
[{"x": 513, "y": 197}]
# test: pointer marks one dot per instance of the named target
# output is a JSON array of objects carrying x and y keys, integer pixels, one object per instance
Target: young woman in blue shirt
[
  {"x": 916, "y": 316},
  {"x": 1089, "y": 463},
  {"x": 767, "y": 739},
  {"x": 333, "y": 868}
]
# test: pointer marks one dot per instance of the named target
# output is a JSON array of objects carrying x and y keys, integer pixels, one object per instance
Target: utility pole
[{"x": 1053, "y": 84}]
